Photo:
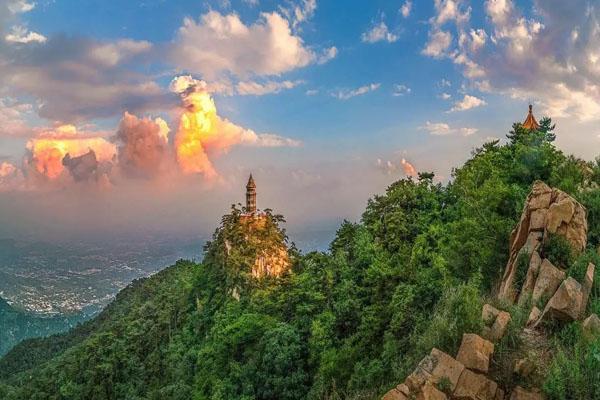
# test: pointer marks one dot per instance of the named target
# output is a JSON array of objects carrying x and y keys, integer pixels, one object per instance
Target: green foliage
[
  {"x": 558, "y": 251},
  {"x": 445, "y": 385},
  {"x": 348, "y": 323},
  {"x": 522, "y": 267}
]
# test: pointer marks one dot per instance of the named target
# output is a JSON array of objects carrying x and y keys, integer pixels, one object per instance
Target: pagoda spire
[
  {"x": 530, "y": 122},
  {"x": 251, "y": 196}
]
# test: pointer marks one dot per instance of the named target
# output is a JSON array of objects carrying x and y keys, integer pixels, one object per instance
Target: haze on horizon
[{"x": 147, "y": 117}]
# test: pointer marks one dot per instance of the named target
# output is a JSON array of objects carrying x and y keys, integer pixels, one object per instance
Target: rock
[
  {"x": 473, "y": 386},
  {"x": 532, "y": 273},
  {"x": 489, "y": 314},
  {"x": 587, "y": 285},
  {"x": 521, "y": 394},
  {"x": 500, "y": 325},
  {"x": 446, "y": 367},
  {"x": 402, "y": 388},
  {"x": 394, "y": 394},
  {"x": 534, "y": 315},
  {"x": 421, "y": 374},
  {"x": 475, "y": 352},
  {"x": 499, "y": 394},
  {"x": 591, "y": 326},
  {"x": 546, "y": 211},
  {"x": 524, "y": 367},
  {"x": 430, "y": 392},
  {"x": 559, "y": 213},
  {"x": 548, "y": 280},
  {"x": 565, "y": 305}
]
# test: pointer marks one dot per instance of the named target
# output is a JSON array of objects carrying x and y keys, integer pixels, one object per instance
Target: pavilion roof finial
[{"x": 530, "y": 122}]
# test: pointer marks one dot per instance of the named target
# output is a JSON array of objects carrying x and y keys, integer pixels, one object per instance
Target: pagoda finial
[{"x": 530, "y": 122}]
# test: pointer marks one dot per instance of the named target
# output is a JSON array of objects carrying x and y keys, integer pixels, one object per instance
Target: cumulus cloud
[
  {"x": 553, "y": 56},
  {"x": 468, "y": 102},
  {"x": 406, "y": 8},
  {"x": 20, "y": 34},
  {"x": 443, "y": 129},
  {"x": 349, "y": 93},
  {"x": 219, "y": 44},
  {"x": 391, "y": 167},
  {"x": 379, "y": 33},
  {"x": 202, "y": 134},
  {"x": 445, "y": 96},
  {"x": 143, "y": 145},
  {"x": 438, "y": 44}
]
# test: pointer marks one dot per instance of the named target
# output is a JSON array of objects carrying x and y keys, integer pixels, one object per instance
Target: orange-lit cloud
[
  {"x": 49, "y": 149},
  {"x": 408, "y": 168},
  {"x": 202, "y": 134}
]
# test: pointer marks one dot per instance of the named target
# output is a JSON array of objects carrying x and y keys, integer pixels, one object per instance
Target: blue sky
[{"x": 326, "y": 101}]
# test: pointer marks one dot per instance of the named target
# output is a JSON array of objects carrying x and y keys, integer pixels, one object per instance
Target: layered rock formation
[{"x": 547, "y": 211}]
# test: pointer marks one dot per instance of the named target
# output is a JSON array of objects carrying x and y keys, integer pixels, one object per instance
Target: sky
[{"x": 148, "y": 116}]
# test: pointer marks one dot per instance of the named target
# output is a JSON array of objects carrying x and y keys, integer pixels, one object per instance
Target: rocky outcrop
[
  {"x": 547, "y": 211},
  {"x": 475, "y": 352},
  {"x": 495, "y": 322},
  {"x": 565, "y": 304},
  {"x": 548, "y": 280},
  {"x": 591, "y": 326}
]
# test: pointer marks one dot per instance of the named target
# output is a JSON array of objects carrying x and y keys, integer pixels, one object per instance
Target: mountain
[
  {"x": 408, "y": 280},
  {"x": 19, "y": 325}
]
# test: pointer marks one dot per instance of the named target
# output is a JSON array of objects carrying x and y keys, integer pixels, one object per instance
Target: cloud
[
  {"x": 438, "y": 44},
  {"x": 143, "y": 146},
  {"x": 21, "y": 35},
  {"x": 443, "y": 129},
  {"x": 74, "y": 79},
  {"x": 406, "y": 8},
  {"x": 450, "y": 10},
  {"x": 379, "y": 33},
  {"x": 300, "y": 12},
  {"x": 468, "y": 102},
  {"x": 312, "y": 92},
  {"x": 401, "y": 90},
  {"x": 259, "y": 89},
  {"x": 219, "y": 44},
  {"x": 327, "y": 55},
  {"x": 391, "y": 167},
  {"x": 552, "y": 56},
  {"x": 202, "y": 134},
  {"x": 13, "y": 115},
  {"x": 348, "y": 94},
  {"x": 445, "y": 96}
]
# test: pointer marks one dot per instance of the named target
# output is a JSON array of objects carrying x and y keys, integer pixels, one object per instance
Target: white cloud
[
  {"x": 20, "y": 6},
  {"x": 445, "y": 96},
  {"x": 299, "y": 12},
  {"x": 13, "y": 115},
  {"x": 401, "y": 90},
  {"x": 258, "y": 89},
  {"x": 438, "y": 43},
  {"x": 347, "y": 94},
  {"x": 219, "y": 44},
  {"x": 327, "y": 55},
  {"x": 20, "y": 34},
  {"x": 378, "y": 33},
  {"x": 406, "y": 8},
  {"x": 450, "y": 10},
  {"x": 312, "y": 92},
  {"x": 443, "y": 129},
  {"x": 468, "y": 102}
]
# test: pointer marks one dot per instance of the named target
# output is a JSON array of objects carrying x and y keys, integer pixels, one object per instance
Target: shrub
[
  {"x": 558, "y": 250},
  {"x": 445, "y": 385}
]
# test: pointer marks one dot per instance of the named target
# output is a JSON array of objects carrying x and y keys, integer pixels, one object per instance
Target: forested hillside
[
  {"x": 18, "y": 325},
  {"x": 349, "y": 323}
]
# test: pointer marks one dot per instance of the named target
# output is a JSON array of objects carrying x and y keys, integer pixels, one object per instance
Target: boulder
[
  {"x": 489, "y": 314},
  {"x": 394, "y": 394},
  {"x": 534, "y": 315},
  {"x": 521, "y": 394},
  {"x": 500, "y": 326},
  {"x": 566, "y": 303},
  {"x": 548, "y": 280},
  {"x": 532, "y": 273},
  {"x": 421, "y": 374},
  {"x": 430, "y": 392},
  {"x": 546, "y": 211},
  {"x": 473, "y": 386},
  {"x": 499, "y": 394},
  {"x": 445, "y": 367},
  {"x": 591, "y": 326},
  {"x": 587, "y": 285},
  {"x": 475, "y": 352}
]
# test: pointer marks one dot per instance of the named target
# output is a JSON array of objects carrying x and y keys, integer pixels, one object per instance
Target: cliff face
[{"x": 547, "y": 296}]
